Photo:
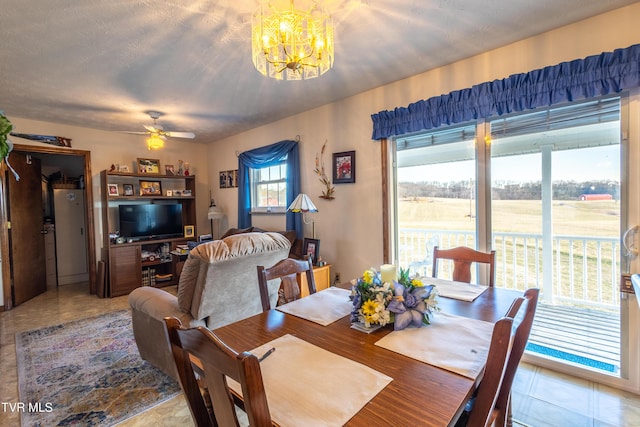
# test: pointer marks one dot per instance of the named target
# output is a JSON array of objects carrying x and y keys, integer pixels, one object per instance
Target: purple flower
[{"x": 409, "y": 306}]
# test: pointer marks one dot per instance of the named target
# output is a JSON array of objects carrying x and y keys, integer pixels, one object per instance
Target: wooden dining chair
[
  {"x": 462, "y": 258},
  {"x": 288, "y": 270},
  {"x": 481, "y": 411},
  {"x": 503, "y": 404},
  {"x": 216, "y": 362},
  {"x": 491, "y": 404}
]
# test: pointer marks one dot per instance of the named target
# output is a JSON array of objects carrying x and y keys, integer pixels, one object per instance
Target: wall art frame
[{"x": 344, "y": 167}]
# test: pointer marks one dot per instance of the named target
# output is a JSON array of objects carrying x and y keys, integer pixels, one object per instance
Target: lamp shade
[{"x": 302, "y": 203}]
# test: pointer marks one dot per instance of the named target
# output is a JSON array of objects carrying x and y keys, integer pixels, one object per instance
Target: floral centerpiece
[{"x": 407, "y": 301}]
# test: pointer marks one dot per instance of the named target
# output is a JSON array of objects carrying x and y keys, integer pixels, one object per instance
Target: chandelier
[
  {"x": 155, "y": 142},
  {"x": 292, "y": 44}
]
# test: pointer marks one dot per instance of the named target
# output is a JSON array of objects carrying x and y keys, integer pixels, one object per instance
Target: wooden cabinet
[
  {"x": 322, "y": 277},
  {"x": 125, "y": 274},
  {"x": 138, "y": 262}
]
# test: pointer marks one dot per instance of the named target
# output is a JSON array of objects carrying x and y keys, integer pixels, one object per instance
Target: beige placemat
[
  {"x": 309, "y": 386},
  {"x": 323, "y": 307},
  {"x": 456, "y": 290},
  {"x": 457, "y": 344}
]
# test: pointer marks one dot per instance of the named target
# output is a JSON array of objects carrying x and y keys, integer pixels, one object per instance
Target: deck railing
[{"x": 586, "y": 270}]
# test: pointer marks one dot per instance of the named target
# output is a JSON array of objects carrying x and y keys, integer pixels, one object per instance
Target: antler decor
[{"x": 328, "y": 193}]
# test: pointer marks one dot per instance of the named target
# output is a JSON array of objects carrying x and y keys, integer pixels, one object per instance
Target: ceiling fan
[{"x": 157, "y": 134}]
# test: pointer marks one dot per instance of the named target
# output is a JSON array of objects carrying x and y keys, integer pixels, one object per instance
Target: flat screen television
[{"x": 151, "y": 221}]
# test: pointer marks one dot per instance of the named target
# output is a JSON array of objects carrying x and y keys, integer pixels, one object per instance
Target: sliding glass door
[
  {"x": 551, "y": 210},
  {"x": 555, "y": 204}
]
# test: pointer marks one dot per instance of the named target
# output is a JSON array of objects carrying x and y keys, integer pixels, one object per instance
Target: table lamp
[{"x": 303, "y": 203}]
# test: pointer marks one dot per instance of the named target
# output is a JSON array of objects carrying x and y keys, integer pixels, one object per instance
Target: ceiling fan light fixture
[
  {"x": 290, "y": 43},
  {"x": 155, "y": 142}
]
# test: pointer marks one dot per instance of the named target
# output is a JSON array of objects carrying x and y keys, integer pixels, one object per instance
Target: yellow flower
[
  {"x": 417, "y": 283},
  {"x": 368, "y": 277},
  {"x": 369, "y": 307}
]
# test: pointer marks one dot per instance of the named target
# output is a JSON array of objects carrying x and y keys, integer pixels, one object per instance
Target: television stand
[{"x": 126, "y": 268}]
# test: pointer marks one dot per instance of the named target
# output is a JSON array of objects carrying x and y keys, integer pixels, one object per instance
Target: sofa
[{"x": 218, "y": 286}]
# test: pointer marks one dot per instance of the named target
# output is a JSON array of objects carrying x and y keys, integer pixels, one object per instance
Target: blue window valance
[
  {"x": 265, "y": 157},
  {"x": 598, "y": 75}
]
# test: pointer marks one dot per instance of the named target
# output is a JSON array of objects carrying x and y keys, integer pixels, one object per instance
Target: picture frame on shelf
[
  {"x": 311, "y": 247},
  {"x": 148, "y": 166},
  {"x": 150, "y": 188},
  {"x": 127, "y": 189},
  {"x": 344, "y": 167},
  {"x": 113, "y": 189},
  {"x": 169, "y": 193},
  {"x": 189, "y": 231},
  {"x": 187, "y": 193},
  {"x": 169, "y": 170},
  {"x": 123, "y": 169}
]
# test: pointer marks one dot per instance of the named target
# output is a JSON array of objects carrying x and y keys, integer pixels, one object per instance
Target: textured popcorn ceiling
[{"x": 103, "y": 63}]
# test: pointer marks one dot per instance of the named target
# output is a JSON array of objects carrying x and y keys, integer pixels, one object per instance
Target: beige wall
[
  {"x": 109, "y": 148},
  {"x": 350, "y": 227}
]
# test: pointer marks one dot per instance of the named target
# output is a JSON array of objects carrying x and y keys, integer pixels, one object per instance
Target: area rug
[{"x": 86, "y": 373}]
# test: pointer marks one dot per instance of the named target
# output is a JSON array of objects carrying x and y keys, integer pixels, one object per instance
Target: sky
[{"x": 595, "y": 163}]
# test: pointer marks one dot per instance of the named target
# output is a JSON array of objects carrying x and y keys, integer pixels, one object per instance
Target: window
[
  {"x": 269, "y": 189},
  {"x": 544, "y": 189}
]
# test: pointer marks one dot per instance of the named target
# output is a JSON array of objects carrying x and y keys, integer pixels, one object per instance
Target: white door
[{"x": 71, "y": 236}]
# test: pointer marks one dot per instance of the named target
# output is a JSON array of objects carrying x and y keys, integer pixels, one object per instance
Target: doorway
[{"x": 51, "y": 159}]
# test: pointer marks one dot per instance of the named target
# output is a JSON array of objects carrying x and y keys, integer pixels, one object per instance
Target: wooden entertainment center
[{"x": 132, "y": 261}]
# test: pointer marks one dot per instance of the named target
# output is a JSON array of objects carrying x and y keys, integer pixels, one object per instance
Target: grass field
[
  {"x": 518, "y": 260},
  {"x": 580, "y": 218}
]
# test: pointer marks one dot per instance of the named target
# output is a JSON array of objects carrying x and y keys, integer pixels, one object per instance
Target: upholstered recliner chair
[{"x": 218, "y": 285}]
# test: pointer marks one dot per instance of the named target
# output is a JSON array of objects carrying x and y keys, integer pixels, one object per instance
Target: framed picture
[
  {"x": 186, "y": 193},
  {"x": 189, "y": 231},
  {"x": 113, "y": 189},
  {"x": 123, "y": 168},
  {"x": 169, "y": 170},
  {"x": 127, "y": 189},
  {"x": 229, "y": 179},
  {"x": 150, "y": 166},
  {"x": 344, "y": 167},
  {"x": 311, "y": 247},
  {"x": 150, "y": 188}
]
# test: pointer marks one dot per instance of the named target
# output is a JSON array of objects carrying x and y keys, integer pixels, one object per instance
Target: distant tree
[{"x": 511, "y": 190}]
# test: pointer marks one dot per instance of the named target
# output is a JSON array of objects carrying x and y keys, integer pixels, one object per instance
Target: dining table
[{"x": 419, "y": 394}]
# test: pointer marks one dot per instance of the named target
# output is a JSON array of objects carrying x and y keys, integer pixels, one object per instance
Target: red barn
[{"x": 596, "y": 197}]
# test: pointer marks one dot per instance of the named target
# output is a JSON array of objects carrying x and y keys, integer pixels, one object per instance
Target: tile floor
[{"x": 541, "y": 398}]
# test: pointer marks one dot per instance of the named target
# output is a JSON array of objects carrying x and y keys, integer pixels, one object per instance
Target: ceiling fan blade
[
  {"x": 189, "y": 135},
  {"x": 153, "y": 129},
  {"x": 135, "y": 133}
]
